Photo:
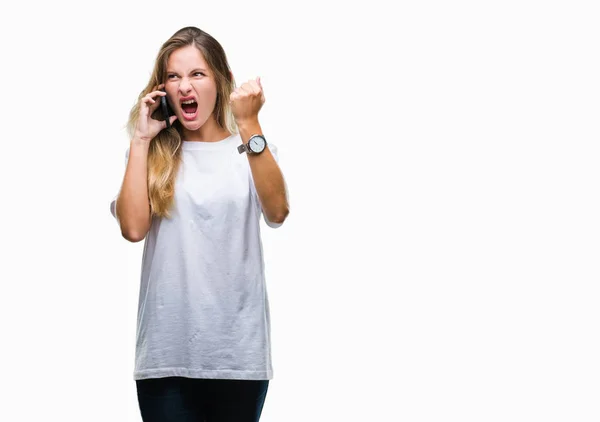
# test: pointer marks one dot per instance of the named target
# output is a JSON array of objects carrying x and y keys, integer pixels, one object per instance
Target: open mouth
[{"x": 189, "y": 108}]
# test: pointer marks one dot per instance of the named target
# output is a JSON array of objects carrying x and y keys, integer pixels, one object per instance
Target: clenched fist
[{"x": 247, "y": 100}]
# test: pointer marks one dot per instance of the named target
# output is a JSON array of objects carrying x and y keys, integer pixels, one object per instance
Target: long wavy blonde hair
[{"x": 164, "y": 152}]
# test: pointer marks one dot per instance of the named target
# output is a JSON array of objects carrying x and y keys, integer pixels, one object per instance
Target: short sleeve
[
  {"x": 275, "y": 152},
  {"x": 113, "y": 203}
]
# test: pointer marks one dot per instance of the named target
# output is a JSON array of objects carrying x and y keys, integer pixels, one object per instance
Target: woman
[{"x": 195, "y": 190}]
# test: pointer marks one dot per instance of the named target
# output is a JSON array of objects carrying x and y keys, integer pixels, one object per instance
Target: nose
[{"x": 184, "y": 86}]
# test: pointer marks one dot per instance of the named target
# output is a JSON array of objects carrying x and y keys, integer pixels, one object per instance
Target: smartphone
[{"x": 165, "y": 110}]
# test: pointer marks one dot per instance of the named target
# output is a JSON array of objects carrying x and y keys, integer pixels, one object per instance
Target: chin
[{"x": 192, "y": 125}]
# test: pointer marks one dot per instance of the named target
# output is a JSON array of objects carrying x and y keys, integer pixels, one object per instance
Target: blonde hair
[{"x": 164, "y": 152}]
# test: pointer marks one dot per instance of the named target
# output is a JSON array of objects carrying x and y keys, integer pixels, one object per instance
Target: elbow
[
  {"x": 134, "y": 234},
  {"x": 280, "y": 217},
  {"x": 133, "y": 237},
  {"x": 133, "y": 231}
]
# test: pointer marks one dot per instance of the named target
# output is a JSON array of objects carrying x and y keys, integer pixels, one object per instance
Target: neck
[{"x": 210, "y": 131}]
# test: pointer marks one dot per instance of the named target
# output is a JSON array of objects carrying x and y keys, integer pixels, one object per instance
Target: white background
[{"x": 440, "y": 262}]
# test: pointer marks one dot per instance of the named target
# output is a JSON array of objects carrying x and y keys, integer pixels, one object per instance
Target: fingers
[
  {"x": 251, "y": 90},
  {"x": 256, "y": 88},
  {"x": 252, "y": 87},
  {"x": 164, "y": 122},
  {"x": 157, "y": 90},
  {"x": 151, "y": 103},
  {"x": 148, "y": 99},
  {"x": 154, "y": 94}
]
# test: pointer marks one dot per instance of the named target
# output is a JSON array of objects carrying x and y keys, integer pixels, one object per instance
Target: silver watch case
[{"x": 255, "y": 145}]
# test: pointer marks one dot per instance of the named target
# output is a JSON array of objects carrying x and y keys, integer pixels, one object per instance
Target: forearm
[
  {"x": 133, "y": 204},
  {"x": 268, "y": 178}
]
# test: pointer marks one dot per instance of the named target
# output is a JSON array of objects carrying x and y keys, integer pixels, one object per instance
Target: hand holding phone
[
  {"x": 166, "y": 110},
  {"x": 153, "y": 113},
  {"x": 163, "y": 111}
]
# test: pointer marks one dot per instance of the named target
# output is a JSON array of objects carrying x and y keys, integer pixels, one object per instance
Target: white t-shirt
[{"x": 203, "y": 308}]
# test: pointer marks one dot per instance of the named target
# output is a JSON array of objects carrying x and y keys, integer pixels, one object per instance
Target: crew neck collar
[{"x": 196, "y": 145}]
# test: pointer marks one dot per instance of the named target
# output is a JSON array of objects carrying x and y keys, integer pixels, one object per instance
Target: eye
[
  {"x": 171, "y": 76},
  {"x": 199, "y": 73}
]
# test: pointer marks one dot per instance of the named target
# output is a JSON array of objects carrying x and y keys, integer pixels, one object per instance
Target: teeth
[{"x": 189, "y": 102}]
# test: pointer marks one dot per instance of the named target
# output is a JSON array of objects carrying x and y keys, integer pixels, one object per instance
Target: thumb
[
  {"x": 262, "y": 91},
  {"x": 171, "y": 120}
]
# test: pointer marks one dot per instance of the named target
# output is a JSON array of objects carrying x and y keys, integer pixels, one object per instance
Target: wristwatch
[{"x": 255, "y": 145}]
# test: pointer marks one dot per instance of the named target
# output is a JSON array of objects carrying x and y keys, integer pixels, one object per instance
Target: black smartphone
[{"x": 166, "y": 110}]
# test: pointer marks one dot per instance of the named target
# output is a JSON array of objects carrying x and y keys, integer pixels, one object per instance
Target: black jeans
[{"x": 180, "y": 399}]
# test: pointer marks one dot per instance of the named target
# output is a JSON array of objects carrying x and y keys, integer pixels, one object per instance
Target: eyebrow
[{"x": 194, "y": 70}]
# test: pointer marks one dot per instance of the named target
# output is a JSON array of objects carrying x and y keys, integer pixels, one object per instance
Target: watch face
[{"x": 257, "y": 144}]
